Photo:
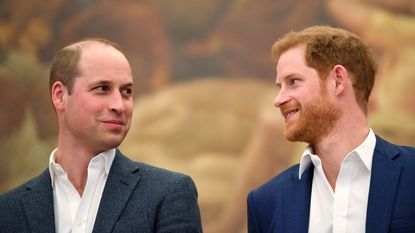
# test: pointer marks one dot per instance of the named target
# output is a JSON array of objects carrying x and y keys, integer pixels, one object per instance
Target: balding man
[{"x": 90, "y": 186}]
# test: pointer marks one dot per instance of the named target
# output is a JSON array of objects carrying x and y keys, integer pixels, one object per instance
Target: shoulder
[
  {"x": 169, "y": 198},
  {"x": 407, "y": 154},
  {"x": 264, "y": 203},
  {"x": 11, "y": 207},
  {"x": 9, "y": 198},
  {"x": 22, "y": 189},
  {"x": 163, "y": 176},
  {"x": 407, "y": 151},
  {"x": 157, "y": 177},
  {"x": 277, "y": 183},
  {"x": 396, "y": 152}
]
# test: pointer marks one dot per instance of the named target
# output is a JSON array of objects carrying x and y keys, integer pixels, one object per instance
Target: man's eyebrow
[
  {"x": 288, "y": 76},
  {"x": 106, "y": 81},
  {"x": 98, "y": 82},
  {"x": 128, "y": 85},
  {"x": 102, "y": 81}
]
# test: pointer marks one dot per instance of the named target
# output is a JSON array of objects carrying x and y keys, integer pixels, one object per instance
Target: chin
[
  {"x": 291, "y": 133},
  {"x": 298, "y": 135},
  {"x": 290, "y": 136},
  {"x": 112, "y": 142}
]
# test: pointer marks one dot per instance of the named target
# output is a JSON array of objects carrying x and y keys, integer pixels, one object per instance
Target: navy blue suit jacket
[
  {"x": 283, "y": 204},
  {"x": 136, "y": 198}
]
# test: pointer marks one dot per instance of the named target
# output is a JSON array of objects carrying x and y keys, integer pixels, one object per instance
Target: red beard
[{"x": 315, "y": 120}]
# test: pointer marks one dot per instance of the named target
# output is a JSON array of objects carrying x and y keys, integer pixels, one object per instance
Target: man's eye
[
  {"x": 293, "y": 82},
  {"x": 102, "y": 88},
  {"x": 127, "y": 92}
]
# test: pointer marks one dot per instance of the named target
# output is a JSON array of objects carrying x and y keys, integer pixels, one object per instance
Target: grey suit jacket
[{"x": 136, "y": 198}]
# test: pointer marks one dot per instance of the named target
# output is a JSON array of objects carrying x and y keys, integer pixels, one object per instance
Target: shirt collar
[
  {"x": 364, "y": 151},
  {"x": 305, "y": 160},
  {"x": 102, "y": 160}
]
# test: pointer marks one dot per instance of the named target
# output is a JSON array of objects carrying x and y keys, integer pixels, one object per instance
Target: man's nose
[
  {"x": 117, "y": 102},
  {"x": 281, "y": 98}
]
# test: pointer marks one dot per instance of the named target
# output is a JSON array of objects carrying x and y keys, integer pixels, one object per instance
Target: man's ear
[
  {"x": 341, "y": 79},
  {"x": 58, "y": 92}
]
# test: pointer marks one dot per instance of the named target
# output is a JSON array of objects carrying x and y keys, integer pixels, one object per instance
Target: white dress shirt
[
  {"x": 342, "y": 211},
  {"x": 73, "y": 213}
]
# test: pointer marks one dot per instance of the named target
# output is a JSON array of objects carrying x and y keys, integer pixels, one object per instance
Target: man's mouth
[
  {"x": 288, "y": 114},
  {"x": 116, "y": 122}
]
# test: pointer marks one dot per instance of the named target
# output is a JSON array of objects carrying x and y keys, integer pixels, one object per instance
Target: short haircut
[
  {"x": 65, "y": 64},
  {"x": 326, "y": 47}
]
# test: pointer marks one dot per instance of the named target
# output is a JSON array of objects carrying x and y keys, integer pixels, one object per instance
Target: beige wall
[{"x": 203, "y": 84}]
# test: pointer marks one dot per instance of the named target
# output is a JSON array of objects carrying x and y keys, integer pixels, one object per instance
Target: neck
[
  {"x": 75, "y": 161},
  {"x": 347, "y": 134}
]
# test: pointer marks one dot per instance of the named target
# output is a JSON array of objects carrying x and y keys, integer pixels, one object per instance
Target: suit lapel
[
  {"x": 297, "y": 201},
  {"x": 383, "y": 185},
  {"x": 121, "y": 182},
  {"x": 38, "y": 204}
]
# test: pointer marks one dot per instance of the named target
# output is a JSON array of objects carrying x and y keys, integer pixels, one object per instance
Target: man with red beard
[{"x": 349, "y": 180}]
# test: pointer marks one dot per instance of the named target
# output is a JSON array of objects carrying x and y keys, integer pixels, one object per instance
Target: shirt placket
[
  {"x": 341, "y": 196},
  {"x": 95, "y": 170}
]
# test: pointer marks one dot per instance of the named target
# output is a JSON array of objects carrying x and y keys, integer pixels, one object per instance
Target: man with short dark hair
[
  {"x": 90, "y": 185},
  {"x": 349, "y": 180}
]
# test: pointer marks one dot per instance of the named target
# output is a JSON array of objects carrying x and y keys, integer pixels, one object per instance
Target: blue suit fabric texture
[
  {"x": 282, "y": 205},
  {"x": 136, "y": 198}
]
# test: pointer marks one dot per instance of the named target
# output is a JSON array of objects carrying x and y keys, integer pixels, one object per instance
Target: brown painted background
[{"x": 204, "y": 84}]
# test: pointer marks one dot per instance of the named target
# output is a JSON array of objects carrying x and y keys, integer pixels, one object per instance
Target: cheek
[
  {"x": 312, "y": 98},
  {"x": 129, "y": 108}
]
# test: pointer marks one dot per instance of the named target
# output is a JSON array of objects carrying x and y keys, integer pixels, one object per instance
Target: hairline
[{"x": 77, "y": 48}]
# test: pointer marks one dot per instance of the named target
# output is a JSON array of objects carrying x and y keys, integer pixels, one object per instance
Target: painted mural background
[{"x": 204, "y": 84}]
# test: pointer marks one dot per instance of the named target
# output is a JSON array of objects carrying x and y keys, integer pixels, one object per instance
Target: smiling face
[
  {"x": 303, "y": 100},
  {"x": 97, "y": 114}
]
